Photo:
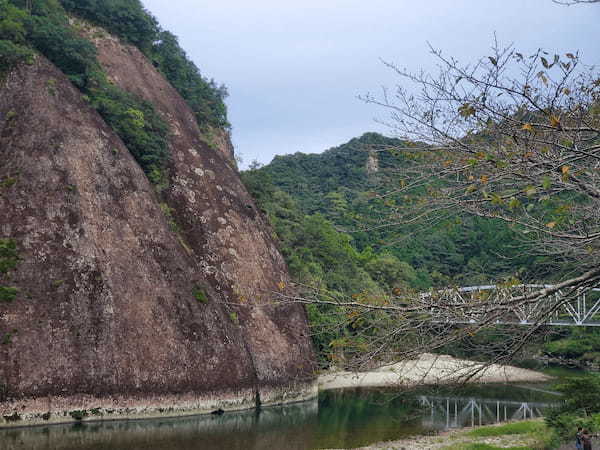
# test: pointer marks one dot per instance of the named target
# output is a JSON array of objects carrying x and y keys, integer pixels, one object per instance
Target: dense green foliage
[
  {"x": 581, "y": 407},
  {"x": 338, "y": 185},
  {"x": 11, "y": 54},
  {"x": 579, "y": 344},
  {"x": 124, "y": 18},
  {"x": 129, "y": 20},
  {"x": 137, "y": 123},
  {"x": 8, "y": 294},
  {"x": 319, "y": 256},
  {"x": 43, "y": 25},
  {"x": 45, "y": 28},
  {"x": 8, "y": 261},
  {"x": 204, "y": 96},
  {"x": 12, "y": 36},
  {"x": 326, "y": 212}
]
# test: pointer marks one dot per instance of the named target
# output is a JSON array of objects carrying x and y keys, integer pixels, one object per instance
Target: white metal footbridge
[
  {"x": 514, "y": 305},
  {"x": 455, "y": 412}
]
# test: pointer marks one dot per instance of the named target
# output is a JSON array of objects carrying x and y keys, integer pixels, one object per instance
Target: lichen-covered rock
[{"x": 114, "y": 311}]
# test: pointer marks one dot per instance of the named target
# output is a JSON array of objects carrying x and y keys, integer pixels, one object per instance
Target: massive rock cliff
[{"x": 126, "y": 301}]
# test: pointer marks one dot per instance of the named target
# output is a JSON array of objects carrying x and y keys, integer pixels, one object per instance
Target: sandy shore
[{"x": 429, "y": 369}]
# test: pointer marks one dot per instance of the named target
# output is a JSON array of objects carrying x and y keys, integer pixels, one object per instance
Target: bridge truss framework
[{"x": 479, "y": 304}]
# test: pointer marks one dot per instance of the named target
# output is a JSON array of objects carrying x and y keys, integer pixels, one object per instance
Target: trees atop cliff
[
  {"x": 130, "y": 21},
  {"x": 44, "y": 25}
]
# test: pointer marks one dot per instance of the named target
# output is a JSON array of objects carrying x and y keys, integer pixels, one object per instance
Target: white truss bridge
[
  {"x": 456, "y": 412},
  {"x": 493, "y": 304}
]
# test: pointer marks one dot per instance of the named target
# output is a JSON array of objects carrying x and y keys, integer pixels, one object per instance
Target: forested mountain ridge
[
  {"x": 326, "y": 210},
  {"x": 135, "y": 271},
  {"x": 341, "y": 185}
]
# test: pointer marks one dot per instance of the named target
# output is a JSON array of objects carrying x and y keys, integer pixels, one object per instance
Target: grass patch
[
  {"x": 529, "y": 434},
  {"x": 525, "y": 427},
  {"x": 487, "y": 447}
]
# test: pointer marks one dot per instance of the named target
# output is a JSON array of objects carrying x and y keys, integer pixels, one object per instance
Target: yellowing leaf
[
  {"x": 281, "y": 285},
  {"x": 551, "y": 224},
  {"x": 554, "y": 121},
  {"x": 527, "y": 127}
]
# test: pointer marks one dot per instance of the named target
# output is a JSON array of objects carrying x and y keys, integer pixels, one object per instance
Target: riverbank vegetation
[
  {"x": 581, "y": 406},
  {"x": 525, "y": 435}
]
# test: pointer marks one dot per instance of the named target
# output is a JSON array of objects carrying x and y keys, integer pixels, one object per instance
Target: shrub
[
  {"x": 52, "y": 36},
  {"x": 11, "y": 54},
  {"x": 203, "y": 96},
  {"x": 200, "y": 296},
  {"x": 136, "y": 122},
  {"x": 8, "y": 294},
  {"x": 581, "y": 407},
  {"x": 8, "y": 255},
  {"x": 78, "y": 414},
  {"x": 126, "y": 18}
]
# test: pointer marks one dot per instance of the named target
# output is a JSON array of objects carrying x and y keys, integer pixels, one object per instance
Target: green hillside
[
  {"x": 337, "y": 185},
  {"x": 327, "y": 214}
]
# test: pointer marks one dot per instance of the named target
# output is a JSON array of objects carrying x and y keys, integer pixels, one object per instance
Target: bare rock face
[{"x": 115, "y": 312}]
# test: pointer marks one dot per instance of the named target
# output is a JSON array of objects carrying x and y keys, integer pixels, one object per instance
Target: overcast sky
[{"x": 294, "y": 68}]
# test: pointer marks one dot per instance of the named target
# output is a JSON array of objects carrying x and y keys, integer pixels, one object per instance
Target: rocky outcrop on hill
[{"x": 119, "y": 300}]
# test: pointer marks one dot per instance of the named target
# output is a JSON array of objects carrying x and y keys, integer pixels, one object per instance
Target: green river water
[{"x": 337, "y": 419}]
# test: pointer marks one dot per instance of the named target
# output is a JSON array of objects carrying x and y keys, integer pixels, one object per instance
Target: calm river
[{"x": 338, "y": 419}]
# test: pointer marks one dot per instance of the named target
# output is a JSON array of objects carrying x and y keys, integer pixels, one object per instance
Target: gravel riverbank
[{"x": 429, "y": 369}]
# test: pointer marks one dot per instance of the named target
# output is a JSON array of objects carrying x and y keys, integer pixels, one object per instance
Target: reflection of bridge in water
[
  {"x": 494, "y": 304},
  {"x": 457, "y": 412}
]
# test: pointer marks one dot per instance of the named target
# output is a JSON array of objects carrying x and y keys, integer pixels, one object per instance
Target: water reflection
[
  {"x": 459, "y": 412},
  {"x": 340, "y": 419},
  {"x": 271, "y": 428}
]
